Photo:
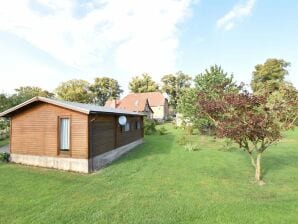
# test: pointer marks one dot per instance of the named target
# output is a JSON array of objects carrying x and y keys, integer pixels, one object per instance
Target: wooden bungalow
[{"x": 71, "y": 136}]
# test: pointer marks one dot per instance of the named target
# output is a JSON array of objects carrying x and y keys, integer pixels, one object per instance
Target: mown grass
[{"x": 159, "y": 182}]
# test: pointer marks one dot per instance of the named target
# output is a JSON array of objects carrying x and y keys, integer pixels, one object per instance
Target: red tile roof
[
  {"x": 134, "y": 104},
  {"x": 155, "y": 98},
  {"x": 137, "y": 101}
]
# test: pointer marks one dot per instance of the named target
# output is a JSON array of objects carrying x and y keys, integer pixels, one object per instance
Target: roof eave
[{"x": 8, "y": 112}]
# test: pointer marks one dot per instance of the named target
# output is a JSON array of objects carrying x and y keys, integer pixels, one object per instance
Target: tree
[
  {"x": 187, "y": 106},
  {"x": 212, "y": 82},
  {"x": 174, "y": 85},
  {"x": 143, "y": 84},
  {"x": 254, "y": 122},
  {"x": 76, "y": 90},
  {"x": 4, "y": 102},
  {"x": 270, "y": 75},
  {"x": 24, "y": 93},
  {"x": 4, "y": 105},
  {"x": 105, "y": 88}
]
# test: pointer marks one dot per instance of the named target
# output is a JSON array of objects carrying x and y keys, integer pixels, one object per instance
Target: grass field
[{"x": 159, "y": 182}]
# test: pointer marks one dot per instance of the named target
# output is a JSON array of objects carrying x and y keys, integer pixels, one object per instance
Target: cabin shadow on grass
[{"x": 151, "y": 147}]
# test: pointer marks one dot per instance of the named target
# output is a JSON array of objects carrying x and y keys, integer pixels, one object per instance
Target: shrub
[
  {"x": 207, "y": 129},
  {"x": 228, "y": 146},
  {"x": 192, "y": 147},
  {"x": 149, "y": 126},
  {"x": 162, "y": 131},
  {"x": 189, "y": 129},
  {"x": 4, "y": 157}
]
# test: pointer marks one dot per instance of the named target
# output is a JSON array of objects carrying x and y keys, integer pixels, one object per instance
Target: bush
[
  {"x": 175, "y": 126},
  {"x": 149, "y": 126},
  {"x": 189, "y": 129},
  {"x": 162, "y": 131},
  {"x": 192, "y": 147},
  {"x": 207, "y": 129},
  {"x": 4, "y": 134},
  {"x": 4, "y": 157},
  {"x": 228, "y": 146},
  {"x": 183, "y": 140}
]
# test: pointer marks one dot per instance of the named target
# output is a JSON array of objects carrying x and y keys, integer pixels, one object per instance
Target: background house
[
  {"x": 134, "y": 104},
  {"x": 70, "y": 136},
  {"x": 157, "y": 102}
]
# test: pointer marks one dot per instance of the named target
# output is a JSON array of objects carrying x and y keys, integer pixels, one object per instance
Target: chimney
[{"x": 114, "y": 103}]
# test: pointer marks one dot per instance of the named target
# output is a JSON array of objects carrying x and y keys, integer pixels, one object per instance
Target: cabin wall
[
  {"x": 34, "y": 131},
  {"x": 102, "y": 134},
  {"x": 126, "y": 137},
  {"x": 106, "y": 134}
]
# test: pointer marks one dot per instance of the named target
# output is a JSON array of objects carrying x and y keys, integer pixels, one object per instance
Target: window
[
  {"x": 127, "y": 126},
  {"x": 138, "y": 125},
  {"x": 64, "y": 134}
]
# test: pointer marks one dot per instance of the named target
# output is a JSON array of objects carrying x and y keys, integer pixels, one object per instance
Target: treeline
[{"x": 181, "y": 88}]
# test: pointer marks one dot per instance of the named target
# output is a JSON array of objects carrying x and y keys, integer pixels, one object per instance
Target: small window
[
  {"x": 64, "y": 134},
  {"x": 138, "y": 125},
  {"x": 127, "y": 126}
]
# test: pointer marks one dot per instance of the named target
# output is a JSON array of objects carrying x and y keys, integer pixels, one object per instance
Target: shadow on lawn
[
  {"x": 278, "y": 161},
  {"x": 153, "y": 145}
]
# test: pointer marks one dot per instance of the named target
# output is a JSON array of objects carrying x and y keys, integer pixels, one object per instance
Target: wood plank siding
[
  {"x": 102, "y": 134},
  {"x": 35, "y": 131},
  {"x": 106, "y": 134}
]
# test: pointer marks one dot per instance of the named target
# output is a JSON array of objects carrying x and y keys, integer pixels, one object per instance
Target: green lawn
[
  {"x": 159, "y": 182},
  {"x": 4, "y": 142}
]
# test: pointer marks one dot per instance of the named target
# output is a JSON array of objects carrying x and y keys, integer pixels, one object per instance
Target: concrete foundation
[
  {"x": 72, "y": 164},
  {"x": 102, "y": 160},
  {"x": 69, "y": 164}
]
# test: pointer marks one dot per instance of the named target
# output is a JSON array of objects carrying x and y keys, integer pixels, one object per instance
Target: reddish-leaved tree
[{"x": 254, "y": 122}]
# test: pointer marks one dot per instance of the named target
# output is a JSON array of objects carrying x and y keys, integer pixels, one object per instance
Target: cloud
[
  {"x": 238, "y": 12},
  {"x": 141, "y": 35}
]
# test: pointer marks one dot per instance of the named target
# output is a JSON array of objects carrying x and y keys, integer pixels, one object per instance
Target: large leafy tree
[
  {"x": 269, "y": 76},
  {"x": 105, "y": 88},
  {"x": 254, "y": 122},
  {"x": 186, "y": 105},
  {"x": 4, "y": 102},
  {"x": 21, "y": 94},
  {"x": 4, "y": 105},
  {"x": 24, "y": 93},
  {"x": 174, "y": 85},
  {"x": 212, "y": 82},
  {"x": 143, "y": 84},
  {"x": 76, "y": 90}
]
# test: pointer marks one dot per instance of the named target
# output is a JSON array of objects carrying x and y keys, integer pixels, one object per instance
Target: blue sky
[{"x": 45, "y": 42}]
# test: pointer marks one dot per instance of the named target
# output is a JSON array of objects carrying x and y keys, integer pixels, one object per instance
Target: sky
[{"x": 46, "y": 42}]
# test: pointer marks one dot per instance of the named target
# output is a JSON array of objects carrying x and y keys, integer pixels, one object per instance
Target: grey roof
[{"x": 80, "y": 107}]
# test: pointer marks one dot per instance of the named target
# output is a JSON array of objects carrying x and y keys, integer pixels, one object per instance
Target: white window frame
[
  {"x": 64, "y": 134},
  {"x": 127, "y": 127}
]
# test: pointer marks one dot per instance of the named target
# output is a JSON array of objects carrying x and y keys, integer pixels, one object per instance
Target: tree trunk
[{"x": 258, "y": 167}]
